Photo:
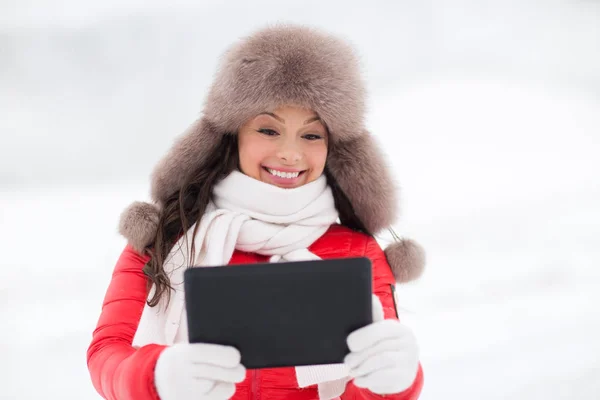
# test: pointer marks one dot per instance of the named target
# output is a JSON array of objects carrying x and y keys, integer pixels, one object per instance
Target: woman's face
[{"x": 286, "y": 147}]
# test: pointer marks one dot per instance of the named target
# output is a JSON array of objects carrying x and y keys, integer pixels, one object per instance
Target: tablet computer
[{"x": 280, "y": 314}]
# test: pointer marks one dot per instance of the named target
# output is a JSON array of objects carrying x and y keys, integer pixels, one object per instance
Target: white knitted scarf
[{"x": 251, "y": 216}]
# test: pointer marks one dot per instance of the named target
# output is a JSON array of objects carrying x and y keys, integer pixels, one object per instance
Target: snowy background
[{"x": 489, "y": 112}]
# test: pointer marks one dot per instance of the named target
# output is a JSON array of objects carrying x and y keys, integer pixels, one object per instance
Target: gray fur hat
[{"x": 280, "y": 65}]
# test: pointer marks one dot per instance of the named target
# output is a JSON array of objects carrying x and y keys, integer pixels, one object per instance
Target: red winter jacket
[{"x": 120, "y": 372}]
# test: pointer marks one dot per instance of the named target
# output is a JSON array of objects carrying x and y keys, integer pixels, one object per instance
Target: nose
[{"x": 289, "y": 152}]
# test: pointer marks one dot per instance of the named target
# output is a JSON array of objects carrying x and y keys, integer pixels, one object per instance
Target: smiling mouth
[{"x": 282, "y": 174}]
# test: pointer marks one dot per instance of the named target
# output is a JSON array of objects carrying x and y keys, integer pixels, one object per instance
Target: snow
[
  {"x": 495, "y": 149},
  {"x": 507, "y": 308}
]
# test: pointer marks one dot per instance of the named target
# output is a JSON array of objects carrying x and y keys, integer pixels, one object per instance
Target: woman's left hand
[{"x": 384, "y": 356}]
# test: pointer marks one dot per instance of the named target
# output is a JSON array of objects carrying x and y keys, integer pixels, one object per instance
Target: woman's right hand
[{"x": 198, "y": 371}]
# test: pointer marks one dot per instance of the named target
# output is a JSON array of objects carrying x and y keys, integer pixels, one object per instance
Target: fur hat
[{"x": 280, "y": 65}]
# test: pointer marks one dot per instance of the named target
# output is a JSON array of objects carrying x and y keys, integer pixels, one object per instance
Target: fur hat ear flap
[
  {"x": 407, "y": 260},
  {"x": 139, "y": 223}
]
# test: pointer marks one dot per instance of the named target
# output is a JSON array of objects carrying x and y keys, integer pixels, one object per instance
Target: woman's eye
[
  {"x": 268, "y": 132},
  {"x": 312, "y": 136}
]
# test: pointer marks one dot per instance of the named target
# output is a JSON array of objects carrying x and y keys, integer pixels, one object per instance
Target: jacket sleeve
[
  {"x": 118, "y": 370},
  {"x": 383, "y": 286}
]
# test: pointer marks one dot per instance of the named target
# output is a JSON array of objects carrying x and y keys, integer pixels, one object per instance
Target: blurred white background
[{"x": 489, "y": 113}]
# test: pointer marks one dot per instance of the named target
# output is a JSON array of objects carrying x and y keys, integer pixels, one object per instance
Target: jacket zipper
[{"x": 255, "y": 385}]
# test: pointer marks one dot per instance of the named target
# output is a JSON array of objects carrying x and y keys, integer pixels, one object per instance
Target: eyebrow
[{"x": 278, "y": 118}]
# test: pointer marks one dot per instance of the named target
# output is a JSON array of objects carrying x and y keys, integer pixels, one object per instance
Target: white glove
[
  {"x": 198, "y": 371},
  {"x": 384, "y": 356}
]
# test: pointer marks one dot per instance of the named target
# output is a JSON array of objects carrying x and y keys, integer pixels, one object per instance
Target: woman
[{"x": 279, "y": 167}]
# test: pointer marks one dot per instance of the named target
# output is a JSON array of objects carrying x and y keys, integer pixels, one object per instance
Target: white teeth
[{"x": 288, "y": 175}]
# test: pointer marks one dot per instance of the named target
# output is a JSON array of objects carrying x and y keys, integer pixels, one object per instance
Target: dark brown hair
[{"x": 187, "y": 206}]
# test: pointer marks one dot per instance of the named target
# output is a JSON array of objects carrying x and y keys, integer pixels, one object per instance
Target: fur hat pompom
[
  {"x": 407, "y": 260},
  {"x": 139, "y": 223}
]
